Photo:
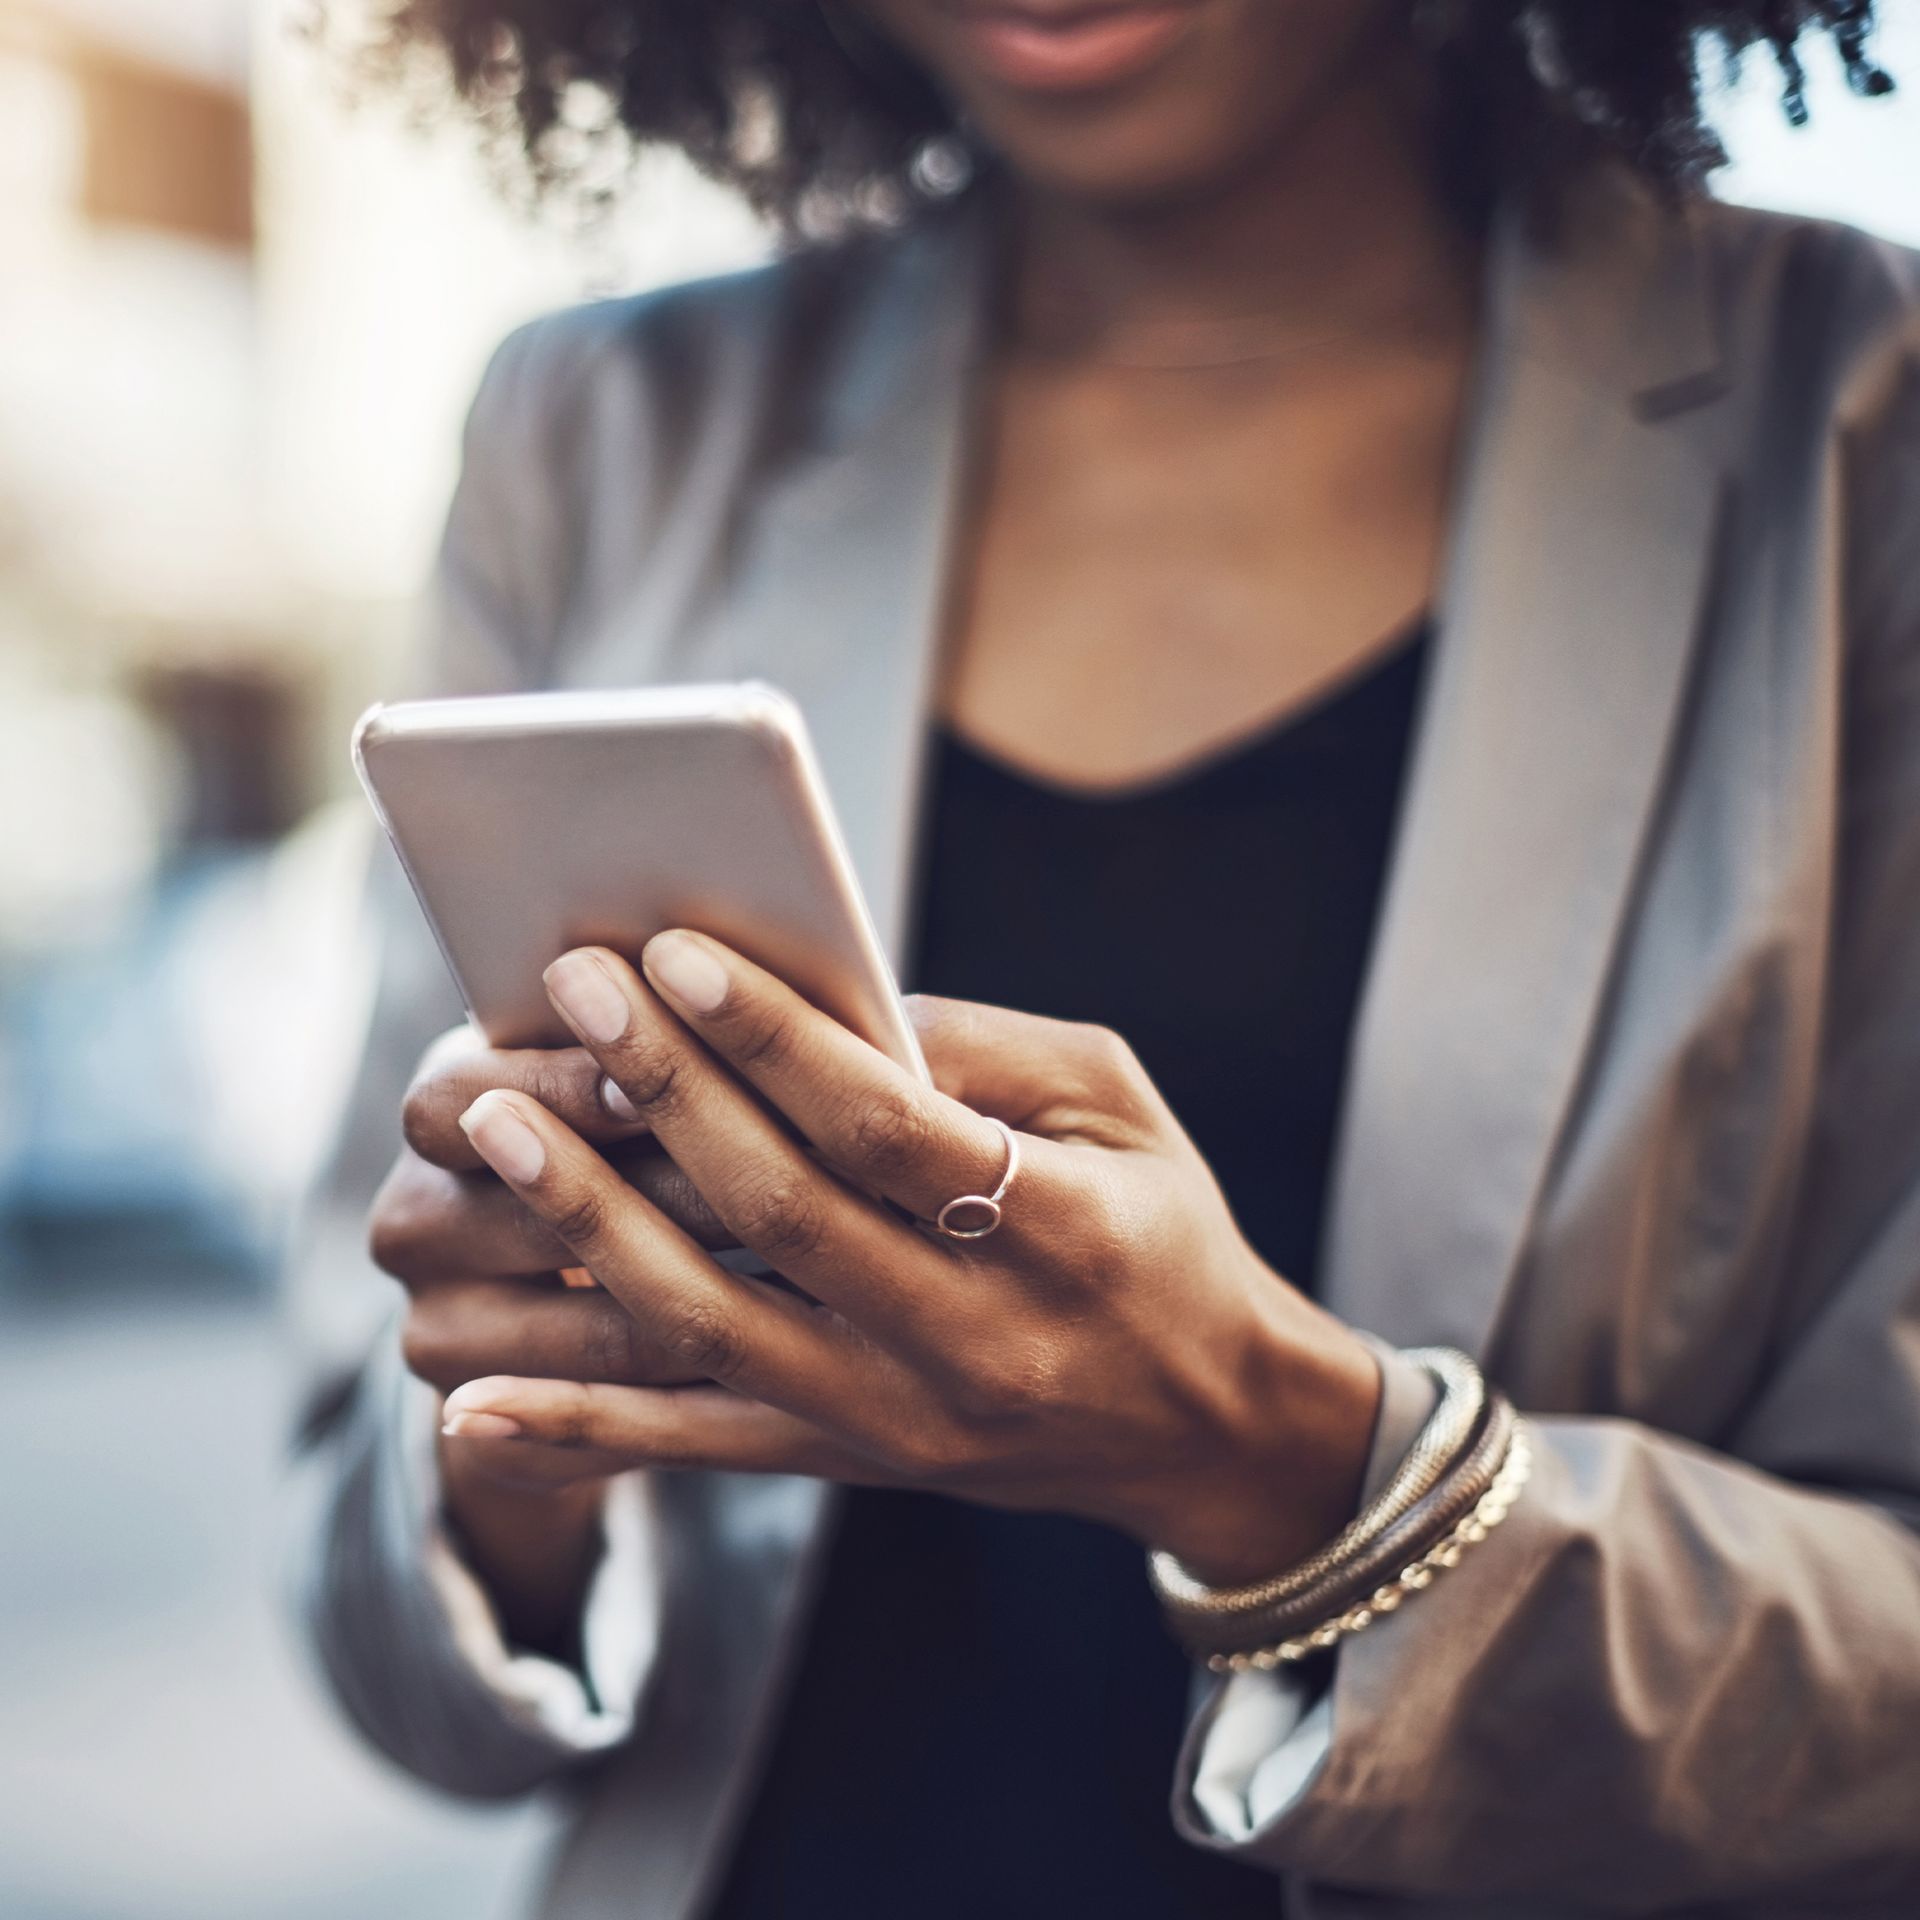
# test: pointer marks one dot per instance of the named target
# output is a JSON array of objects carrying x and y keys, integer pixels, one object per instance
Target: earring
[{"x": 944, "y": 164}]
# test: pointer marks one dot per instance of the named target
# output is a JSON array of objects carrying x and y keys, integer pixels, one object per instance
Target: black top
[{"x": 986, "y": 1715}]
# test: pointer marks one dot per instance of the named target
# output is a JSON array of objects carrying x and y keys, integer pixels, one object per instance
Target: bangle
[
  {"x": 1415, "y": 1577},
  {"x": 1435, "y": 1453},
  {"x": 1431, "y": 1521}
]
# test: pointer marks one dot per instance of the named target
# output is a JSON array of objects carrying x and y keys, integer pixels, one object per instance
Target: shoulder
[
  {"x": 673, "y": 359},
  {"x": 1814, "y": 304},
  {"x": 1821, "y": 326},
  {"x": 1766, "y": 241}
]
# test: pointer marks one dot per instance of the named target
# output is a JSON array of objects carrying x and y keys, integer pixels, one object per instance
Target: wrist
[
  {"x": 504, "y": 1513},
  {"x": 1292, "y": 1460},
  {"x": 534, "y": 1548}
]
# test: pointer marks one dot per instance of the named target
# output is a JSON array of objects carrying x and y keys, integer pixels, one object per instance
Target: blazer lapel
[
  {"x": 843, "y": 558},
  {"x": 1582, "y": 541},
  {"x": 1580, "y": 548},
  {"x": 839, "y": 565},
  {"x": 1581, "y": 545}
]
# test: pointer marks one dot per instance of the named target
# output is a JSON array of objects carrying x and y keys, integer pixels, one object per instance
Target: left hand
[{"x": 1115, "y": 1350}]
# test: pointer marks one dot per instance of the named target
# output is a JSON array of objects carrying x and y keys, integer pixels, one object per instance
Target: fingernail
[
  {"x": 503, "y": 1140},
  {"x": 469, "y": 1402},
  {"x": 589, "y": 997},
  {"x": 617, "y": 1103},
  {"x": 481, "y": 1426},
  {"x": 685, "y": 970}
]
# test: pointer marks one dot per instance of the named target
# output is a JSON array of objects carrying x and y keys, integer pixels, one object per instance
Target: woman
[{"x": 1331, "y": 506}]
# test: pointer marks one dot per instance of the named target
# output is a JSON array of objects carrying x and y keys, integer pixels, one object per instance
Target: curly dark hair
[{"x": 816, "y": 122}]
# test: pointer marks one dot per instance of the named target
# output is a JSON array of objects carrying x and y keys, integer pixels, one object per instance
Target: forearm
[
  {"x": 412, "y": 1642},
  {"x": 534, "y": 1550},
  {"x": 1668, "y": 1678}
]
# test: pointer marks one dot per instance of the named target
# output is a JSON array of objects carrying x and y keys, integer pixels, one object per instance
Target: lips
[{"x": 1068, "y": 46}]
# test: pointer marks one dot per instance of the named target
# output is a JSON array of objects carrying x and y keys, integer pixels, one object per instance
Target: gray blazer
[{"x": 1634, "y": 1110}]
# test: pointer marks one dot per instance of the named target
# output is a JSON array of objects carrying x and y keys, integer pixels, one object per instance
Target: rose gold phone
[{"x": 533, "y": 823}]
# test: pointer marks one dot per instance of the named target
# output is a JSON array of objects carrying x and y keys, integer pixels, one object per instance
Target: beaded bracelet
[{"x": 1487, "y": 1513}]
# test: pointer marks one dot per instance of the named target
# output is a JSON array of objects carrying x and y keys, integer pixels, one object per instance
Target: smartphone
[{"x": 530, "y": 824}]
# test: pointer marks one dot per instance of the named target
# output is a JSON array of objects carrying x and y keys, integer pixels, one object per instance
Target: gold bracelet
[
  {"x": 1492, "y": 1507},
  {"x": 1431, "y": 1521},
  {"x": 1437, "y": 1450}
]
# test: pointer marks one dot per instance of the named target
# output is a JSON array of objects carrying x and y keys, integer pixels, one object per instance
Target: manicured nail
[
  {"x": 503, "y": 1140},
  {"x": 685, "y": 970},
  {"x": 481, "y": 1426},
  {"x": 617, "y": 1103},
  {"x": 588, "y": 997}
]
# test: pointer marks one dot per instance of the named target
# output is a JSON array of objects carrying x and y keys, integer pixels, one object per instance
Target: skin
[
  {"x": 1115, "y": 1350},
  {"x": 1155, "y": 563},
  {"x": 1160, "y": 562}
]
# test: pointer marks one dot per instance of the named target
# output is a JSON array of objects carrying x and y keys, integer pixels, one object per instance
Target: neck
[{"x": 1339, "y": 225}]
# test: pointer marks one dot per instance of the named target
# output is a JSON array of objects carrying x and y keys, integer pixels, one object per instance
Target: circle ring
[{"x": 987, "y": 1203}]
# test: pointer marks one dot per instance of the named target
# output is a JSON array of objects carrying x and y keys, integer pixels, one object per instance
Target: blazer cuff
[
  {"x": 585, "y": 1710},
  {"x": 1259, "y": 1740}
]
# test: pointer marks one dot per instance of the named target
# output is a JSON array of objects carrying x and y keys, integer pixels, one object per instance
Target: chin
[
  {"x": 1201, "y": 91},
  {"x": 1158, "y": 154}
]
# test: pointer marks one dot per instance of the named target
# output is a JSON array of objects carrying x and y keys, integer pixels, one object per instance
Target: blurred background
[{"x": 239, "y": 324}]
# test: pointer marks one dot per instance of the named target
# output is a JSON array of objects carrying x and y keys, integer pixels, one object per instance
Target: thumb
[{"x": 1058, "y": 1079}]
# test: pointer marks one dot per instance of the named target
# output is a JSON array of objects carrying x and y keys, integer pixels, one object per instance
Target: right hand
[
  {"x": 481, "y": 1272},
  {"x": 484, "y": 1297}
]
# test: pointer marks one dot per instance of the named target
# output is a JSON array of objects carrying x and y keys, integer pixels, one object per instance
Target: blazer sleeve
[
  {"x": 403, "y": 1634},
  {"x": 1680, "y": 1676}
]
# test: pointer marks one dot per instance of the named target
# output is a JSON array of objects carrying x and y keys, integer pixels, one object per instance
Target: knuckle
[
  {"x": 781, "y": 1219},
  {"x": 762, "y": 1036},
  {"x": 888, "y": 1131},
  {"x": 423, "y": 1118},
  {"x": 652, "y": 1075},
  {"x": 1111, "y": 1056},
  {"x": 707, "y": 1338},
  {"x": 391, "y": 1242},
  {"x": 400, "y": 1226},
  {"x": 1104, "y": 1243},
  {"x": 417, "y": 1346},
  {"x": 581, "y": 1218},
  {"x": 566, "y": 1082},
  {"x": 426, "y": 1346},
  {"x": 432, "y": 1102}
]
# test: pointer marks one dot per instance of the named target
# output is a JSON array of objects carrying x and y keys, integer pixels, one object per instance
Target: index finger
[
  {"x": 770, "y": 1345},
  {"x": 459, "y": 1067},
  {"x": 899, "y": 1137}
]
